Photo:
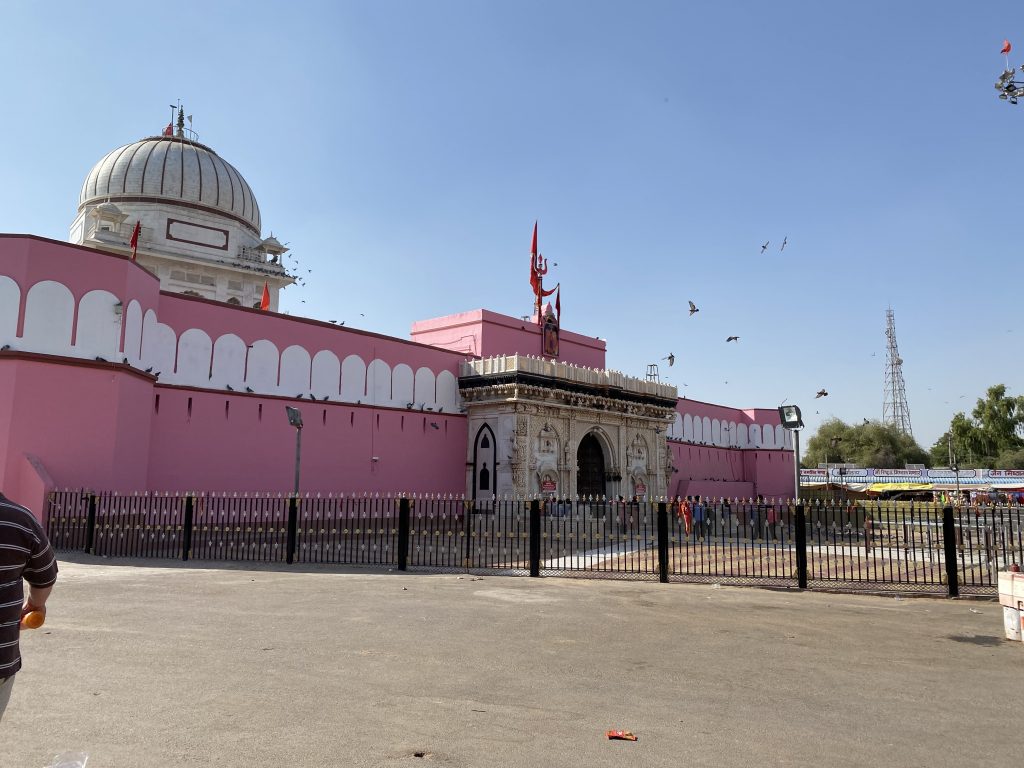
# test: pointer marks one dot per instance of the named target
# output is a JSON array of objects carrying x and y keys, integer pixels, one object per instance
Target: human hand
[{"x": 32, "y": 616}]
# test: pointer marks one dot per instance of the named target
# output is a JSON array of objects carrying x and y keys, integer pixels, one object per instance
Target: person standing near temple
[
  {"x": 25, "y": 554},
  {"x": 699, "y": 515},
  {"x": 685, "y": 513}
]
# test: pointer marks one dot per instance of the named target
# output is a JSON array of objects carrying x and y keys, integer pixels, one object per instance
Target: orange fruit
[{"x": 33, "y": 620}]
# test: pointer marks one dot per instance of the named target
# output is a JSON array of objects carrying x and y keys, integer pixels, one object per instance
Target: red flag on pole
[
  {"x": 265, "y": 301},
  {"x": 1007, "y": 47},
  {"x": 134, "y": 242},
  {"x": 169, "y": 130},
  {"x": 534, "y": 277}
]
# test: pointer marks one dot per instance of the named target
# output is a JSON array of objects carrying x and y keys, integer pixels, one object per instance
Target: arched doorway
[
  {"x": 590, "y": 467},
  {"x": 485, "y": 462}
]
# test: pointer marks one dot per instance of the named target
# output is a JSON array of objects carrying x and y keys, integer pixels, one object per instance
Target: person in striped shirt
[{"x": 25, "y": 554}]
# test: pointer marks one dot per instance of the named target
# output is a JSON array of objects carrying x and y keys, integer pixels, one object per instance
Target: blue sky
[{"x": 404, "y": 150}]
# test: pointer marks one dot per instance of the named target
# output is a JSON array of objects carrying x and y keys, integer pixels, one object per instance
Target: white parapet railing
[{"x": 579, "y": 374}]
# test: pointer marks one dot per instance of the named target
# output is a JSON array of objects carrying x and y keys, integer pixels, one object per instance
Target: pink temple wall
[
  {"x": 227, "y": 441},
  {"x": 724, "y": 464},
  {"x": 88, "y": 424},
  {"x": 70, "y": 420},
  {"x": 482, "y": 333},
  {"x": 78, "y": 422}
]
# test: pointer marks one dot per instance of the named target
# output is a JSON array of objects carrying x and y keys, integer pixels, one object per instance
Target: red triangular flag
[
  {"x": 265, "y": 301},
  {"x": 558, "y": 304},
  {"x": 169, "y": 130},
  {"x": 134, "y": 242},
  {"x": 1006, "y": 47}
]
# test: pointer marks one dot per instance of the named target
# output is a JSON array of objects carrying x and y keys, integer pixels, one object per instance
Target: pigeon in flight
[
  {"x": 784, "y": 241},
  {"x": 765, "y": 246},
  {"x": 693, "y": 308},
  {"x": 732, "y": 338},
  {"x": 671, "y": 359},
  {"x": 821, "y": 393}
]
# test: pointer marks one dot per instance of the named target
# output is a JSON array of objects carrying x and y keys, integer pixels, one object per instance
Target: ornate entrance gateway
[
  {"x": 565, "y": 430},
  {"x": 590, "y": 468}
]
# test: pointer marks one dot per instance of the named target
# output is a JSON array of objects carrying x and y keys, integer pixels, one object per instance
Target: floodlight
[
  {"x": 294, "y": 416},
  {"x": 790, "y": 417}
]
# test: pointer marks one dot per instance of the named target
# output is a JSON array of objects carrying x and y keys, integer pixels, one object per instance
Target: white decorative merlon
[{"x": 596, "y": 377}]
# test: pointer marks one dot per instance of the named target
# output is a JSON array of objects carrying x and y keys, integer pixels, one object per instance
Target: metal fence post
[
  {"x": 90, "y": 525},
  {"x": 663, "y": 542},
  {"x": 403, "y": 534},
  {"x": 293, "y": 523},
  {"x": 949, "y": 549},
  {"x": 535, "y": 538},
  {"x": 801, "y": 547},
  {"x": 186, "y": 539}
]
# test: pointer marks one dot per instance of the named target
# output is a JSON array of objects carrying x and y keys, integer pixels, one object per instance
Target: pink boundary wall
[{"x": 72, "y": 421}]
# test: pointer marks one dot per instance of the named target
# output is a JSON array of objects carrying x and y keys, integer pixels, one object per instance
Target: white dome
[{"x": 171, "y": 169}]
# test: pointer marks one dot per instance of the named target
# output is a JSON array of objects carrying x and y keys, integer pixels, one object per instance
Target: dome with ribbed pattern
[{"x": 172, "y": 169}]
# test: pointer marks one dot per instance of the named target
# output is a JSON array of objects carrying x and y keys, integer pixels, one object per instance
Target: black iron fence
[{"x": 854, "y": 547}]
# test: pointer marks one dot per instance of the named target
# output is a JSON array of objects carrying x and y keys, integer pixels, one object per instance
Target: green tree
[
  {"x": 871, "y": 444},
  {"x": 993, "y": 436},
  {"x": 1011, "y": 459}
]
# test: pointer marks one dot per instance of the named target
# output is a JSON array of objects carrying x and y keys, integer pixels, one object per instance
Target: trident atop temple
[{"x": 538, "y": 268}]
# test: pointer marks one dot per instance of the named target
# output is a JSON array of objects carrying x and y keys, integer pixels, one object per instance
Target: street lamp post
[
  {"x": 789, "y": 415},
  {"x": 956, "y": 469},
  {"x": 295, "y": 419},
  {"x": 833, "y": 442}
]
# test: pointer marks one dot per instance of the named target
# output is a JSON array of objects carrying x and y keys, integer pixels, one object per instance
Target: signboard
[
  {"x": 812, "y": 473},
  {"x": 548, "y": 485},
  {"x": 1006, "y": 473},
  {"x": 641, "y": 489},
  {"x": 897, "y": 473},
  {"x": 964, "y": 473},
  {"x": 847, "y": 473}
]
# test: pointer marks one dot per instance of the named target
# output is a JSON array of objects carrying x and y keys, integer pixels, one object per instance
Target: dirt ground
[{"x": 158, "y": 664}]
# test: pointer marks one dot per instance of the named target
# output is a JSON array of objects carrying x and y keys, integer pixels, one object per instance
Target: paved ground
[{"x": 146, "y": 666}]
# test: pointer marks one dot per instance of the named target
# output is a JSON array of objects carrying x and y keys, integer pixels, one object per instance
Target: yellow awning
[{"x": 882, "y": 487}]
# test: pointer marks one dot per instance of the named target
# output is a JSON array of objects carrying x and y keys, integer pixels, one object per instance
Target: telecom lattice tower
[{"x": 895, "y": 410}]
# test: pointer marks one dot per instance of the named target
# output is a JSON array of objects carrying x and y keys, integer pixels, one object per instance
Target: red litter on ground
[{"x": 622, "y": 735}]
